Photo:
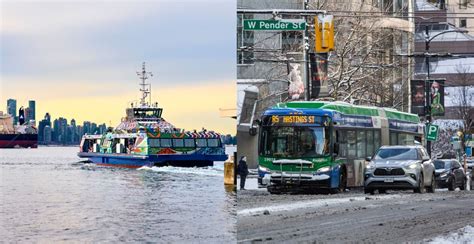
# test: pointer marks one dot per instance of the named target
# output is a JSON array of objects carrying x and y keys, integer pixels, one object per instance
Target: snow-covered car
[
  {"x": 400, "y": 167},
  {"x": 449, "y": 173}
]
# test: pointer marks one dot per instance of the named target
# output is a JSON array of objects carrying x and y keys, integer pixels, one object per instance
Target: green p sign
[{"x": 432, "y": 132}]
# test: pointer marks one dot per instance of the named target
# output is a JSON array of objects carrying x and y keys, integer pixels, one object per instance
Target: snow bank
[
  {"x": 463, "y": 235},
  {"x": 308, "y": 204}
]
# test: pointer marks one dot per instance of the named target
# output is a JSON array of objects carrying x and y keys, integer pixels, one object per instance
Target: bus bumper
[{"x": 297, "y": 181}]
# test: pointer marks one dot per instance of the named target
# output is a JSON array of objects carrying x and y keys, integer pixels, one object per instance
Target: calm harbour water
[{"x": 45, "y": 196}]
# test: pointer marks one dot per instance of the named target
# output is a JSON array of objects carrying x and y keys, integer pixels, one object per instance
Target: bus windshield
[{"x": 294, "y": 142}]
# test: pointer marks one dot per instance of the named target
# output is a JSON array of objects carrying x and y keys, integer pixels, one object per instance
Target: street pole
[
  {"x": 306, "y": 55},
  {"x": 428, "y": 39},
  {"x": 427, "y": 87}
]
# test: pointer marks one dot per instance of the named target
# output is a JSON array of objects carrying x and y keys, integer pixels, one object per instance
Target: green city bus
[{"x": 312, "y": 145}]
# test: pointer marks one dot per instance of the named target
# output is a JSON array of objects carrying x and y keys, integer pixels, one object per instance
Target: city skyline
[{"x": 84, "y": 66}]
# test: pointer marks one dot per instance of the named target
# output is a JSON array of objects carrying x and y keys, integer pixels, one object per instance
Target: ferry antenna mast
[{"x": 145, "y": 87}]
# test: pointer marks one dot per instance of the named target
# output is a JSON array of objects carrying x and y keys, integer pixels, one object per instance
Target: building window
[
  {"x": 463, "y": 23},
  {"x": 463, "y": 4},
  {"x": 245, "y": 41}
]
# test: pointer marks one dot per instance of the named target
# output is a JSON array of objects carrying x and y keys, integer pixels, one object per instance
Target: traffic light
[{"x": 324, "y": 31}]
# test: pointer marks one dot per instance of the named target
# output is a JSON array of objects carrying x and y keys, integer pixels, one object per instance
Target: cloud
[{"x": 70, "y": 56}]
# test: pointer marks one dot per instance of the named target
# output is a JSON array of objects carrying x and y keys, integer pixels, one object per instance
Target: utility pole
[
  {"x": 306, "y": 55},
  {"x": 427, "y": 55},
  {"x": 427, "y": 86}
]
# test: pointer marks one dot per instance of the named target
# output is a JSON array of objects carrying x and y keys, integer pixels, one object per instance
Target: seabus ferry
[{"x": 145, "y": 138}]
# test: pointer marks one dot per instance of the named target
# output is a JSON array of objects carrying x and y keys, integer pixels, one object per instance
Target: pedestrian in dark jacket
[{"x": 243, "y": 171}]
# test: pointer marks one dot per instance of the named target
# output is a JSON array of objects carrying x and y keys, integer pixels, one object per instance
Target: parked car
[
  {"x": 449, "y": 173},
  {"x": 400, "y": 167},
  {"x": 470, "y": 164}
]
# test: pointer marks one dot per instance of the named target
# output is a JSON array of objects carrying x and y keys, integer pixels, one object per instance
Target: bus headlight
[
  {"x": 324, "y": 169},
  {"x": 263, "y": 169}
]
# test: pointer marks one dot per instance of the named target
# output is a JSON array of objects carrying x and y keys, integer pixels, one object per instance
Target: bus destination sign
[{"x": 293, "y": 119}]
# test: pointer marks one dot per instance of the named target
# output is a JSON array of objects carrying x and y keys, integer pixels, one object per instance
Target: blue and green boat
[{"x": 145, "y": 138}]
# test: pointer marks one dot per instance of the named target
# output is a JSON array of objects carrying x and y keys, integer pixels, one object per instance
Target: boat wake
[{"x": 207, "y": 171}]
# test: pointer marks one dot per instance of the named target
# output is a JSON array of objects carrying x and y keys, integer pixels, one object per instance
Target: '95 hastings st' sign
[{"x": 281, "y": 25}]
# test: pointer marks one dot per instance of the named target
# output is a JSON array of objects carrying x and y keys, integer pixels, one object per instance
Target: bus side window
[
  {"x": 361, "y": 144},
  {"x": 370, "y": 143},
  {"x": 376, "y": 140},
  {"x": 351, "y": 144},
  {"x": 342, "y": 143},
  {"x": 393, "y": 138}
]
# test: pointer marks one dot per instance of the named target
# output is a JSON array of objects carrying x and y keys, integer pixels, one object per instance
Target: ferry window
[
  {"x": 201, "y": 143},
  {"x": 370, "y": 143},
  {"x": 106, "y": 143},
  {"x": 351, "y": 143},
  {"x": 165, "y": 142},
  {"x": 376, "y": 140},
  {"x": 189, "y": 143},
  {"x": 154, "y": 142},
  {"x": 178, "y": 143},
  {"x": 213, "y": 142},
  {"x": 361, "y": 142}
]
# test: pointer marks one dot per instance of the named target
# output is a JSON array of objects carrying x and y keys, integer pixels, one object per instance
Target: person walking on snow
[{"x": 243, "y": 171}]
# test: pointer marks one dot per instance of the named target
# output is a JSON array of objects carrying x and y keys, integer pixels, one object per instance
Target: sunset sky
[{"x": 79, "y": 59}]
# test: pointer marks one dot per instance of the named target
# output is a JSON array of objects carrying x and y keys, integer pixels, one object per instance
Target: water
[{"x": 46, "y": 197}]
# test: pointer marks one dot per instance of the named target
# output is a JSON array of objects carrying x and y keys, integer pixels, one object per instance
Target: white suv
[{"x": 400, "y": 167}]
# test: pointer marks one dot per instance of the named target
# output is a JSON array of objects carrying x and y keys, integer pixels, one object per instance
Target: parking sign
[{"x": 432, "y": 132}]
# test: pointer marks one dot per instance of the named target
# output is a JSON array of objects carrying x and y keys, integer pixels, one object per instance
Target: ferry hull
[{"x": 136, "y": 161}]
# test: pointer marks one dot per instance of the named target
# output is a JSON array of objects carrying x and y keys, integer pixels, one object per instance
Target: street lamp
[{"x": 428, "y": 40}]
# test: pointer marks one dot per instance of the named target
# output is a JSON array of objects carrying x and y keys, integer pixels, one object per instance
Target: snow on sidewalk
[{"x": 463, "y": 235}]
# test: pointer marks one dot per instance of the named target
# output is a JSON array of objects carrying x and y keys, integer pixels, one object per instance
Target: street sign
[
  {"x": 432, "y": 132},
  {"x": 272, "y": 25}
]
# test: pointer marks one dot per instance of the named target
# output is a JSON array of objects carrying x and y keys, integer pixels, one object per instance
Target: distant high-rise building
[
  {"x": 47, "y": 134},
  {"x": 73, "y": 131},
  {"x": 94, "y": 128},
  {"x": 63, "y": 130},
  {"x": 31, "y": 115},
  {"x": 102, "y": 128},
  {"x": 41, "y": 125},
  {"x": 55, "y": 131},
  {"x": 87, "y": 127},
  {"x": 11, "y": 109},
  {"x": 47, "y": 117}
]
